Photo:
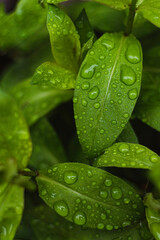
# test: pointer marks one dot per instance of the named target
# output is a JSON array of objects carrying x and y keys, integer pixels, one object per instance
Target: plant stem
[
  {"x": 28, "y": 173},
  {"x": 132, "y": 12}
]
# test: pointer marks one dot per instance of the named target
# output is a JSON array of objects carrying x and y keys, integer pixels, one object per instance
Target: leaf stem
[
  {"x": 28, "y": 172},
  {"x": 131, "y": 15}
]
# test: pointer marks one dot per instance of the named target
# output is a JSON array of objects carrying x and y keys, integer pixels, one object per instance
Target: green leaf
[
  {"x": 154, "y": 176},
  {"x": 83, "y": 27},
  {"x": 50, "y": 75},
  {"x": 24, "y": 29},
  {"x": 11, "y": 209},
  {"x": 56, "y": 1},
  {"x": 150, "y": 10},
  {"x": 15, "y": 139},
  {"x": 89, "y": 196},
  {"x": 36, "y": 101},
  {"x": 153, "y": 215},
  {"x": 43, "y": 218},
  {"x": 127, "y": 135},
  {"x": 107, "y": 89},
  {"x": 47, "y": 148},
  {"x": 128, "y": 155},
  {"x": 116, "y": 4},
  {"x": 64, "y": 38}
]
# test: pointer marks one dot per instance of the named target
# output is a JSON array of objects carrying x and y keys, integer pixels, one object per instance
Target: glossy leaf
[
  {"x": 24, "y": 29},
  {"x": 107, "y": 89},
  {"x": 128, "y": 155},
  {"x": 15, "y": 139},
  {"x": 47, "y": 148},
  {"x": 153, "y": 215},
  {"x": 89, "y": 196},
  {"x": 116, "y": 4},
  {"x": 47, "y": 223},
  {"x": 11, "y": 209},
  {"x": 64, "y": 38},
  {"x": 127, "y": 135},
  {"x": 50, "y": 75},
  {"x": 150, "y": 10},
  {"x": 83, "y": 27},
  {"x": 36, "y": 101}
]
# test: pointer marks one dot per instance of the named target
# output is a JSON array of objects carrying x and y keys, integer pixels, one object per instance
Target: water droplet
[
  {"x": 93, "y": 93},
  {"x": 126, "y": 223},
  {"x": 79, "y": 218},
  {"x": 75, "y": 99},
  {"x": 133, "y": 54},
  {"x": 124, "y": 148},
  {"x": 100, "y": 226},
  {"x": 108, "y": 182},
  {"x": 85, "y": 85},
  {"x": 101, "y": 57},
  {"x": 89, "y": 207},
  {"x": 103, "y": 216},
  {"x": 128, "y": 76},
  {"x": 102, "y": 131},
  {"x": 114, "y": 122},
  {"x": 116, "y": 193},
  {"x": 103, "y": 194},
  {"x": 107, "y": 44},
  {"x": 126, "y": 200},
  {"x": 97, "y": 105},
  {"x": 44, "y": 192},
  {"x": 125, "y": 115},
  {"x": 153, "y": 158},
  {"x": 61, "y": 208},
  {"x": 70, "y": 177},
  {"x": 88, "y": 70},
  {"x": 133, "y": 94},
  {"x": 109, "y": 227},
  {"x": 84, "y": 102},
  {"x": 78, "y": 200},
  {"x": 89, "y": 173}
]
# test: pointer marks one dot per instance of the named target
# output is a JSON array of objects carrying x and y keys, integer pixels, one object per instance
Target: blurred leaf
[
  {"x": 86, "y": 47},
  {"x": 116, "y": 4},
  {"x": 82, "y": 194},
  {"x": 127, "y": 135},
  {"x": 64, "y": 38},
  {"x": 128, "y": 155},
  {"x": 23, "y": 29},
  {"x": 15, "y": 139},
  {"x": 47, "y": 148},
  {"x": 50, "y": 75},
  {"x": 11, "y": 209},
  {"x": 35, "y": 101}
]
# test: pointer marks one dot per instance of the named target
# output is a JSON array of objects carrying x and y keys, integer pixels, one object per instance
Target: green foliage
[{"x": 52, "y": 148}]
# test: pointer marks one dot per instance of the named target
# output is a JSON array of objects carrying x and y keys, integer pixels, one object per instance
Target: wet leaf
[
  {"x": 36, "y": 101},
  {"x": 107, "y": 89},
  {"x": 128, "y": 155},
  {"x": 64, "y": 38},
  {"x": 150, "y": 10},
  {"x": 50, "y": 75},
  {"x": 116, "y": 4},
  {"x": 15, "y": 139},
  {"x": 47, "y": 148},
  {"x": 89, "y": 196},
  {"x": 11, "y": 209}
]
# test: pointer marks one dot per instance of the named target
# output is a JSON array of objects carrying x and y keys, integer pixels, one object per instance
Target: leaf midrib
[{"x": 50, "y": 180}]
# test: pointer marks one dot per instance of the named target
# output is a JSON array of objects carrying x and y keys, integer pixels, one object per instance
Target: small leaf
[
  {"x": 15, "y": 139},
  {"x": 127, "y": 135},
  {"x": 64, "y": 38},
  {"x": 11, "y": 209},
  {"x": 36, "y": 101},
  {"x": 116, "y": 4},
  {"x": 86, "y": 47},
  {"x": 83, "y": 27},
  {"x": 89, "y": 196},
  {"x": 107, "y": 89},
  {"x": 150, "y": 10},
  {"x": 47, "y": 148},
  {"x": 128, "y": 155},
  {"x": 43, "y": 218},
  {"x": 50, "y": 75}
]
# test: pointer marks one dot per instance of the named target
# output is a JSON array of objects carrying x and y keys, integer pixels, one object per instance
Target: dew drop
[
  {"x": 133, "y": 54},
  {"x": 85, "y": 85},
  {"x": 128, "y": 76},
  {"x": 97, "y": 105},
  {"x": 116, "y": 193},
  {"x": 107, "y": 44},
  {"x": 103, "y": 194},
  {"x": 88, "y": 70},
  {"x": 100, "y": 226},
  {"x": 133, "y": 94},
  {"x": 124, "y": 148},
  {"x": 44, "y": 192},
  {"x": 126, "y": 223},
  {"x": 103, "y": 216},
  {"x": 153, "y": 158},
  {"x": 61, "y": 208},
  {"x": 79, "y": 218},
  {"x": 84, "y": 102},
  {"x": 125, "y": 115},
  {"x": 89, "y": 173},
  {"x": 75, "y": 99},
  {"x": 70, "y": 177},
  {"x": 93, "y": 93},
  {"x": 109, "y": 227},
  {"x": 126, "y": 200},
  {"x": 108, "y": 182}
]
